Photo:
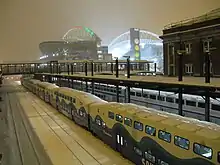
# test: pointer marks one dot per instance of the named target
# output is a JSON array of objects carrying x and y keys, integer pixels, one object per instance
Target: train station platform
[{"x": 53, "y": 138}]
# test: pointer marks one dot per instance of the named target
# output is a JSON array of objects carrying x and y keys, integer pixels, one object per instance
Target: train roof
[
  {"x": 35, "y": 81},
  {"x": 201, "y": 128},
  {"x": 175, "y": 95},
  {"x": 48, "y": 85},
  {"x": 83, "y": 96}
]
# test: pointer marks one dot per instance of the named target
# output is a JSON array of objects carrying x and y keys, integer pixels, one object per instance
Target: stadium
[
  {"x": 151, "y": 47},
  {"x": 82, "y": 43},
  {"x": 78, "y": 43}
]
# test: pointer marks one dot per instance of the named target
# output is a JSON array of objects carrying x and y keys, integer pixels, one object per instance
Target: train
[
  {"x": 141, "y": 134},
  {"x": 193, "y": 106}
]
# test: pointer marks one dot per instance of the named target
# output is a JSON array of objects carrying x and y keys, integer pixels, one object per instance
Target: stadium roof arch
[
  {"x": 79, "y": 37},
  {"x": 151, "y": 47},
  {"x": 80, "y": 33}
]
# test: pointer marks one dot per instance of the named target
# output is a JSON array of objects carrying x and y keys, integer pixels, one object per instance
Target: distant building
[
  {"x": 103, "y": 53},
  {"x": 138, "y": 44},
  {"x": 78, "y": 43},
  {"x": 198, "y": 36}
]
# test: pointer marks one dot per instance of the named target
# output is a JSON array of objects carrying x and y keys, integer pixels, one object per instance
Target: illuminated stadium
[
  {"x": 151, "y": 47},
  {"x": 77, "y": 43}
]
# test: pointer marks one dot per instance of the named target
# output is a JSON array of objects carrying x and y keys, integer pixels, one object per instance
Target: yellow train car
[
  {"x": 43, "y": 90},
  {"x": 49, "y": 93},
  {"x": 75, "y": 104},
  {"x": 33, "y": 85},
  {"x": 150, "y": 137},
  {"x": 25, "y": 81}
]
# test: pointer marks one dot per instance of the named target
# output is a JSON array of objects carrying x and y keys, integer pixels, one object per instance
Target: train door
[
  {"x": 89, "y": 120},
  {"x": 119, "y": 142}
]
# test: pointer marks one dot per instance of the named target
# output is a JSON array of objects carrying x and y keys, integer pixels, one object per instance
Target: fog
[{"x": 26, "y": 23}]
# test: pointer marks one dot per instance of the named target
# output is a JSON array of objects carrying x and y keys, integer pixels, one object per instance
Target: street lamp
[
  {"x": 116, "y": 66},
  {"x": 180, "y": 66},
  {"x": 128, "y": 66},
  {"x": 208, "y": 64}
]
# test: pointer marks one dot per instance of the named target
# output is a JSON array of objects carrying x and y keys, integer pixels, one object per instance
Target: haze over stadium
[{"x": 23, "y": 28}]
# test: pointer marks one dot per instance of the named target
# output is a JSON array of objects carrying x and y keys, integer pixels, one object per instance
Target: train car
[
  {"x": 193, "y": 106},
  {"x": 24, "y": 81},
  {"x": 149, "y": 137},
  {"x": 41, "y": 88},
  {"x": 102, "y": 121},
  {"x": 75, "y": 104},
  {"x": 143, "y": 135},
  {"x": 49, "y": 93},
  {"x": 33, "y": 86}
]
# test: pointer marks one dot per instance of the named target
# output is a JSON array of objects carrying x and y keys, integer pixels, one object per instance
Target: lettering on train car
[
  {"x": 159, "y": 162},
  {"x": 146, "y": 162}
]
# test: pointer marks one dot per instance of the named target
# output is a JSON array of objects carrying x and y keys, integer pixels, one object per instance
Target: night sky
[{"x": 26, "y": 23}]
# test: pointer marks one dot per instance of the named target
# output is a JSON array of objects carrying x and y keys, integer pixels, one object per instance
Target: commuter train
[
  {"x": 193, "y": 106},
  {"x": 143, "y": 135}
]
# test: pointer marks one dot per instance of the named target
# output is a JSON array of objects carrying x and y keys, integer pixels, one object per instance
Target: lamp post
[
  {"x": 116, "y": 67},
  {"x": 128, "y": 66},
  {"x": 180, "y": 53},
  {"x": 208, "y": 62}
]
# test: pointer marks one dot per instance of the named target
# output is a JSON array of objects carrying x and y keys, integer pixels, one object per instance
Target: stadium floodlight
[{"x": 88, "y": 30}]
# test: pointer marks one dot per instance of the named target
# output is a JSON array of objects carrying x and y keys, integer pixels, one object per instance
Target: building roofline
[{"x": 213, "y": 14}]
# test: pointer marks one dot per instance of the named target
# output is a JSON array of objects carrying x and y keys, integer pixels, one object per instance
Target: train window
[
  {"x": 191, "y": 103},
  {"x": 73, "y": 100},
  {"x": 111, "y": 115},
  {"x": 201, "y": 105},
  {"x": 128, "y": 121},
  {"x": 153, "y": 97},
  {"x": 150, "y": 130},
  {"x": 215, "y": 107},
  {"x": 98, "y": 121},
  {"x": 119, "y": 118},
  {"x": 169, "y": 99},
  {"x": 163, "y": 135},
  {"x": 218, "y": 157},
  {"x": 132, "y": 93},
  {"x": 181, "y": 142},
  {"x": 138, "y": 125},
  {"x": 138, "y": 94},
  {"x": 81, "y": 113},
  {"x": 202, "y": 150},
  {"x": 145, "y": 95},
  {"x": 161, "y": 98},
  {"x": 177, "y": 101}
]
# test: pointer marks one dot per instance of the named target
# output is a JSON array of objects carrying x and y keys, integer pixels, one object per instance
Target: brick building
[{"x": 196, "y": 38}]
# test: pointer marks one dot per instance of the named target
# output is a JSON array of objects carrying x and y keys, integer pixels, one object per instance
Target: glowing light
[
  {"x": 88, "y": 30},
  {"x": 137, "y": 48}
]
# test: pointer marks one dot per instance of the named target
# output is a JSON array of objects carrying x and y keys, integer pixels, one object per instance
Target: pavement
[{"x": 18, "y": 143}]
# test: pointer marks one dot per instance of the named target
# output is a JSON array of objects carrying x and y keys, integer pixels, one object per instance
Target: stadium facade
[
  {"x": 138, "y": 44},
  {"x": 81, "y": 43},
  {"x": 78, "y": 43}
]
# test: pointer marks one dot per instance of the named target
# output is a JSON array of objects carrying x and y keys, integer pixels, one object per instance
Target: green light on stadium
[{"x": 88, "y": 30}]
